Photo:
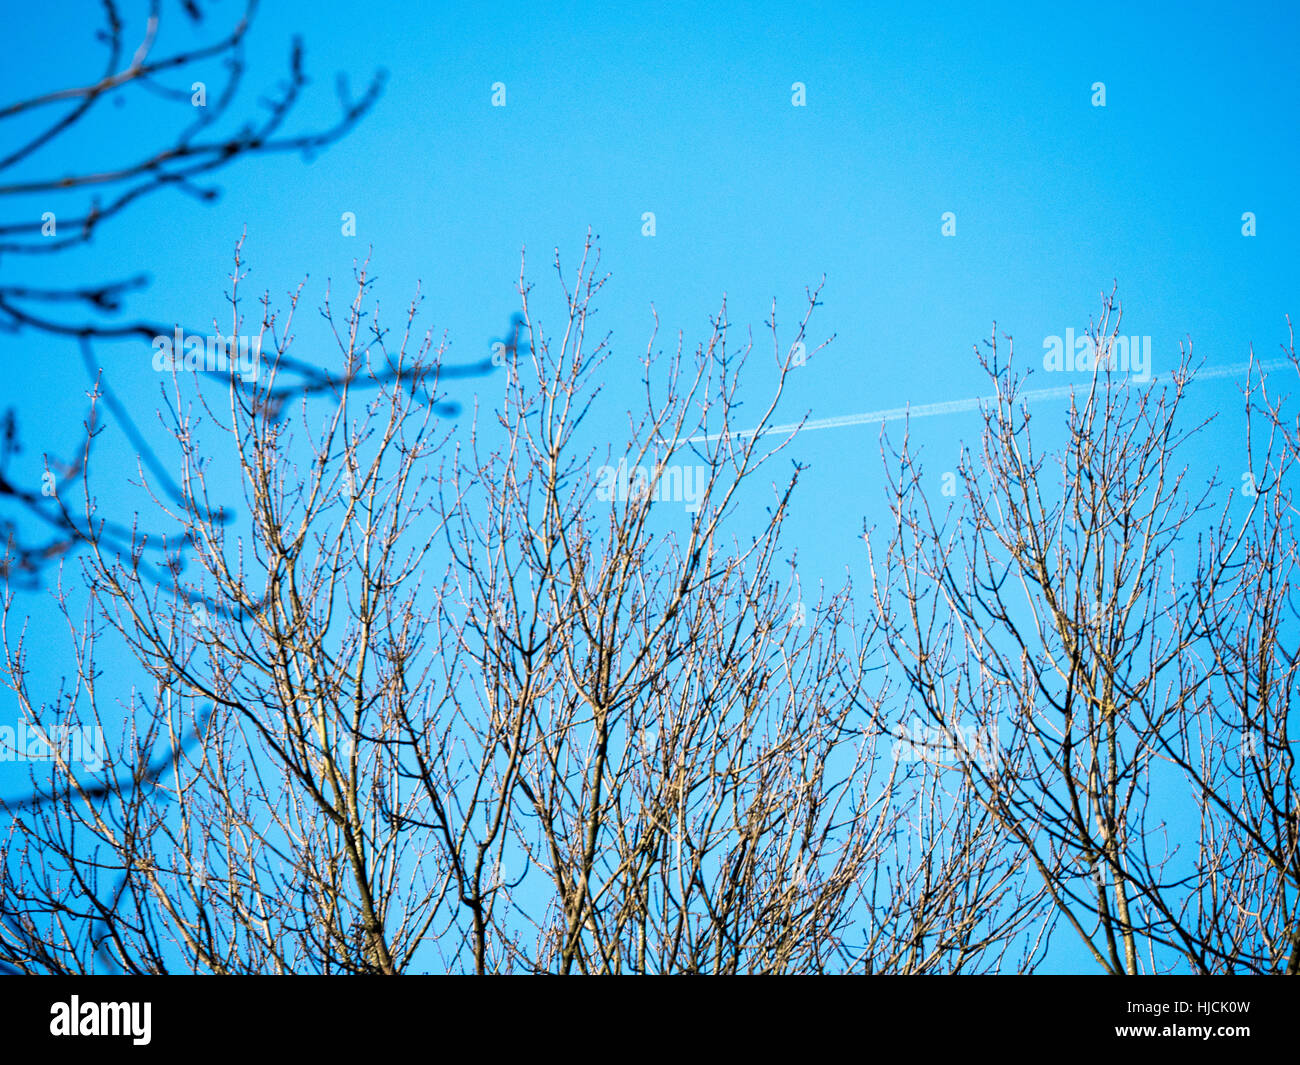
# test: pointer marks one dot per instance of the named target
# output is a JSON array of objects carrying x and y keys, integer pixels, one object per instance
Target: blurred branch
[{"x": 196, "y": 151}]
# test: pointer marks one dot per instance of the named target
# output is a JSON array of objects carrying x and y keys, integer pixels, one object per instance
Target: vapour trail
[{"x": 959, "y": 406}]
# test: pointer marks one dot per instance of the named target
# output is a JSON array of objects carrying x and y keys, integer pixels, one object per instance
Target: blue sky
[
  {"x": 687, "y": 113},
  {"x": 685, "y": 110}
]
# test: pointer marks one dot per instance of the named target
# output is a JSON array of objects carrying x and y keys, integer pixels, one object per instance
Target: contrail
[{"x": 959, "y": 406}]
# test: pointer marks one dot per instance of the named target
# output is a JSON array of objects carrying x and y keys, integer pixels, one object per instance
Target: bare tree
[
  {"x": 1124, "y": 633},
  {"x": 610, "y": 737},
  {"x": 54, "y": 213}
]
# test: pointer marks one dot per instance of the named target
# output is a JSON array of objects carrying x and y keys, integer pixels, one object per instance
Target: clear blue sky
[{"x": 685, "y": 110}]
